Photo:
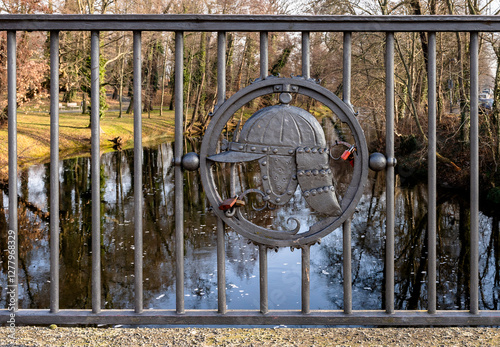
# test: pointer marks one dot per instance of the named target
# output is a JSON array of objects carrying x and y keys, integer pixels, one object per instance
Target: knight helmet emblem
[{"x": 291, "y": 150}]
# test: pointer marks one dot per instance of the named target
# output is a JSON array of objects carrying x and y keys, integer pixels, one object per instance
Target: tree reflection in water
[{"x": 117, "y": 243}]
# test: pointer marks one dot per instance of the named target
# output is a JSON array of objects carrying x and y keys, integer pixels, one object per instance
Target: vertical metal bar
[
  {"x": 346, "y": 227},
  {"x": 12, "y": 130},
  {"x": 221, "y": 68},
  {"x": 179, "y": 188},
  {"x": 389, "y": 144},
  {"x": 306, "y": 279},
  {"x": 221, "y": 251},
  {"x": 346, "y": 78},
  {"x": 139, "y": 307},
  {"x": 221, "y": 267},
  {"x": 474, "y": 174},
  {"x": 95, "y": 173},
  {"x": 431, "y": 181},
  {"x": 54, "y": 171},
  {"x": 264, "y": 45},
  {"x": 263, "y": 279},
  {"x": 306, "y": 55},
  {"x": 347, "y": 266}
]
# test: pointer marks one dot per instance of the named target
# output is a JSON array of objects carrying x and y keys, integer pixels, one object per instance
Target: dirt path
[{"x": 43, "y": 336}]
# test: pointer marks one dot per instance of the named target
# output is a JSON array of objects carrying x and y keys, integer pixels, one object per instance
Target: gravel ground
[{"x": 56, "y": 336}]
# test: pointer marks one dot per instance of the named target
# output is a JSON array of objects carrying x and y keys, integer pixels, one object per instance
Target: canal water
[{"x": 242, "y": 270}]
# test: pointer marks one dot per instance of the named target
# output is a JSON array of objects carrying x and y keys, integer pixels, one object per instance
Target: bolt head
[
  {"x": 191, "y": 161},
  {"x": 285, "y": 98}
]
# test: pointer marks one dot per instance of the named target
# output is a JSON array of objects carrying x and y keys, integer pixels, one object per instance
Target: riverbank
[
  {"x": 33, "y": 135},
  {"x": 43, "y": 336}
]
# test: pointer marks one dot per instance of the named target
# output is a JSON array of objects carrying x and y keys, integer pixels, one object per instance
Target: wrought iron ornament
[{"x": 290, "y": 147}]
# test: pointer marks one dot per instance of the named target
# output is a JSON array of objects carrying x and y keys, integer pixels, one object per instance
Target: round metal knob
[
  {"x": 191, "y": 161},
  {"x": 377, "y": 161}
]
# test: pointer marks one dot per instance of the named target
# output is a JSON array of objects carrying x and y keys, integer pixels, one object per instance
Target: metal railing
[{"x": 222, "y": 24}]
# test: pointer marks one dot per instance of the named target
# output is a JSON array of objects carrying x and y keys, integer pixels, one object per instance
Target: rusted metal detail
[{"x": 290, "y": 147}]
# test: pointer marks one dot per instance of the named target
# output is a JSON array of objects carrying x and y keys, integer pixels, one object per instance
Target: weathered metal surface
[
  {"x": 280, "y": 167},
  {"x": 316, "y": 180},
  {"x": 13, "y": 236},
  {"x": 96, "y": 177},
  {"x": 263, "y": 280},
  {"x": 474, "y": 173},
  {"x": 221, "y": 268},
  {"x": 377, "y": 161},
  {"x": 389, "y": 173},
  {"x": 138, "y": 226},
  {"x": 54, "y": 171},
  {"x": 247, "y": 317},
  {"x": 179, "y": 176},
  {"x": 241, "y": 23},
  {"x": 288, "y": 142},
  {"x": 431, "y": 181},
  {"x": 191, "y": 161}
]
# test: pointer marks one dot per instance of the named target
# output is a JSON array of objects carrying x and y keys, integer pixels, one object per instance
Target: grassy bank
[{"x": 33, "y": 135}]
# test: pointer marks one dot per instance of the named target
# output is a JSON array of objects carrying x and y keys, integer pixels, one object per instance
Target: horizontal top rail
[{"x": 46, "y": 22}]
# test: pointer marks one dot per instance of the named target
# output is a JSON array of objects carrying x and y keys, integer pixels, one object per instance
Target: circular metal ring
[{"x": 284, "y": 238}]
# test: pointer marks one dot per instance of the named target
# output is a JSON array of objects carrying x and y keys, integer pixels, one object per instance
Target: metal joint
[{"x": 392, "y": 162}]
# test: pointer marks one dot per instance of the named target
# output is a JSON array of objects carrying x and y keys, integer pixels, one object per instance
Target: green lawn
[{"x": 33, "y": 134}]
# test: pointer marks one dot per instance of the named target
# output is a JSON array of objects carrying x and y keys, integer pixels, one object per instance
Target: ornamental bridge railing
[{"x": 210, "y": 155}]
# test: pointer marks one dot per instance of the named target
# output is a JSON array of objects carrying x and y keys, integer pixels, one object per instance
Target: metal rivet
[
  {"x": 265, "y": 149},
  {"x": 300, "y": 150},
  {"x": 294, "y": 177},
  {"x": 320, "y": 190},
  {"x": 332, "y": 188},
  {"x": 300, "y": 173},
  {"x": 285, "y": 98},
  {"x": 266, "y": 198},
  {"x": 278, "y": 199},
  {"x": 264, "y": 163},
  {"x": 241, "y": 147},
  {"x": 253, "y": 148},
  {"x": 307, "y": 149},
  {"x": 322, "y": 173},
  {"x": 265, "y": 177},
  {"x": 306, "y": 193},
  {"x": 308, "y": 172},
  {"x": 314, "y": 192},
  {"x": 268, "y": 191},
  {"x": 289, "y": 192},
  {"x": 314, "y": 150},
  {"x": 320, "y": 151},
  {"x": 315, "y": 172},
  {"x": 290, "y": 151},
  {"x": 275, "y": 150}
]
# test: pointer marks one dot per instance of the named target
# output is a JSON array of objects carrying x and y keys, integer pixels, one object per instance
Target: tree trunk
[
  {"x": 121, "y": 87},
  {"x": 163, "y": 80}
]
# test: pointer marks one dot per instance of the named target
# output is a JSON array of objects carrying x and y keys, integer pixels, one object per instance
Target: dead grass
[{"x": 33, "y": 135}]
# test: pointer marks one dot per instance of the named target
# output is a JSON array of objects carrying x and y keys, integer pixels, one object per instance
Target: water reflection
[{"x": 117, "y": 244}]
